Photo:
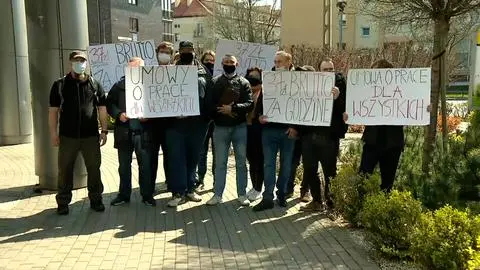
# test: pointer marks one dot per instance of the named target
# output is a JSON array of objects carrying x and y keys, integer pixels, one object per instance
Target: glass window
[
  {"x": 365, "y": 31},
  {"x": 132, "y": 2}
]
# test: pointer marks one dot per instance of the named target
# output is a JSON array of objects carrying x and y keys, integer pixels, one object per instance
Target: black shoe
[
  {"x": 149, "y": 202},
  {"x": 119, "y": 200},
  {"x": 263, "y": 205},
  {"x": 282, "y": 202},
  {"x": 97, "y": 207},
  {"x": 289, "y": 195},
  {"x": 62, "y": 210}
]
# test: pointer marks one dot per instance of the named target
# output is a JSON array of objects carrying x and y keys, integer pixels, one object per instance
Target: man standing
[
  {"x": 160, "y": 125},
  {"x": 322, "y": 144},
  {"x": 232, "y": 100},
  {"x": 80, "y": 101},
  {"x": 185, "y": 137},
  {"x": 131, "y": 135},
  {"x": 276, "y": 138}
]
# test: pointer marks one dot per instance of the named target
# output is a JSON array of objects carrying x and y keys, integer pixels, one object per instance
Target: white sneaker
[
  {"x": 194, "y": 197},
  {"x": 243, "y": 200},
  {"x": 254, "y": 195},
  {"x": 176, "y": 201},
  {"x": 214, "y": 200}
]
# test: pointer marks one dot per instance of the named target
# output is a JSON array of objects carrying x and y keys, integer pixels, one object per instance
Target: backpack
[{"x": 61, "y": 85}]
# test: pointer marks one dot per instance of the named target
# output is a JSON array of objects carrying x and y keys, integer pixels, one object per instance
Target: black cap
[
  {"x": 78, "y": 54},
  {"x": 185, "y": 45}
]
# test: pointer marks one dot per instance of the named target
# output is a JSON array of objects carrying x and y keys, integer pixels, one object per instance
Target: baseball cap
[
  {"x": 78, "y": 54},
  {"x": 185, "y": 44}
]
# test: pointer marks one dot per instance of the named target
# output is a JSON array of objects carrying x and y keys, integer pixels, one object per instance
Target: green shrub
[
  {"x": 351, "y": 155},
  {"x": 390, "y": 220},
  {"x": 474, "y": 262},
  {"x": 446, "y": 239},
  {"x": 349, "y": 189},
  {"x": 111, "y": 123}
]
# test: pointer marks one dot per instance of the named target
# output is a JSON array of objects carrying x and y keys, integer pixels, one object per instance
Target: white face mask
[
  {"x": 79, "y": 67},
  {"x": 163, "y": 58}
]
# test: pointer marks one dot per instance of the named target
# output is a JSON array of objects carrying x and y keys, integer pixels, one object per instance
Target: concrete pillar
[
  {"x": 55, "y": 28},
  {"x": 15, "y": 98}
]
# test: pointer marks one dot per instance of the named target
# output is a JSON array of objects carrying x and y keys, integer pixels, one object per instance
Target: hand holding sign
[{"x": 335, "y": 93}]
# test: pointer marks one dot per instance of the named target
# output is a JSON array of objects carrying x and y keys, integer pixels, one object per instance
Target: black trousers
[
  {"x": 387, "y": 159},
  {"x": 324, "y": 149},
  {"x": 67, "y": 155},
  {"x": 159, "y": 140},
  {"x": 297, "y": 156},
  {"x": 255, "y": 156}
]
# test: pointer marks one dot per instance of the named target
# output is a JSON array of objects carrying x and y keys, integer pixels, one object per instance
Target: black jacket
[
  {"x": 337, "y": 128},
  {"x": 384, "y": 137},
  {"x": 116, "y": 104},
  {"x": 78, "y": 102},
  {"x": 234, "y": 90}
]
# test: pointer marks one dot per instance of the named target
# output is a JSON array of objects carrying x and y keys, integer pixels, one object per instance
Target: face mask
[
  {"x": 186, "y": 58},
  {"x": 229, "y": 69},
  {"x": 281, "y": 69},
  {"x": 209, "y": 66},
  {"x": 253, "y": 81},
  {"x": 163, "y": 58},
  {"x": 79, "y": 67}
]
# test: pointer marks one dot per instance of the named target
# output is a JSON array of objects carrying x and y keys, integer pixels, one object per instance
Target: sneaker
[
  {"x": 282, "y": 202},
  {"x": 149, "y": 202},
  {"x": 243, "y": 200},
  {"x": 62, "y": 210},
  {"x": 263, "y": 205},
  {"x": 214, "y": 200},
  {"x": 312, "y": 207},
  {"x": 118, "y": 201},
  {"x": 97, "y": 207},
  {"x": 176, "y": 200},
  {"x": 305, "y": 197},
  {"x": 254, "y": 195},
  {"x": 194, "y": 197}
]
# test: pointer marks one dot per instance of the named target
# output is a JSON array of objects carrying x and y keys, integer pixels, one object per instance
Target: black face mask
[
  {"x": 186, "y": 58},
  {"x": 229, "y": 69},
  {"x": 253, "y": 81},
  {"x": 209, "y": 66}
]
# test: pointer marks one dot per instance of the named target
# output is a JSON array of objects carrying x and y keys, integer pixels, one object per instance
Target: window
[
  {"x": 365, "y": 31},
  {"x": 177, "y": 38},
  {"x": 132, "y": 2},
  {"x": 177, "y": 25},
  {"x": 198, "y": 32},
  {"x": 133, "y": 23}
]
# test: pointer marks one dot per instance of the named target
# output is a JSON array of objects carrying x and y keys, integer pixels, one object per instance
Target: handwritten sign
[
  {"x": 108, "y": 61},
  {"x": 161, "y": 91},
  {"x": 388, "y": 96},
  {"x": 248, "y": 55},
  {"x": 300, "y": 98}
]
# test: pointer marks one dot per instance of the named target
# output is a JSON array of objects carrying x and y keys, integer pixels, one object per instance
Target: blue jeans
[
  {"x": 274, "y": 139},
  {"x": 143, "y": 155},
  {"x": 223, "y": 137},
  {"x": 183, "y": 153}
]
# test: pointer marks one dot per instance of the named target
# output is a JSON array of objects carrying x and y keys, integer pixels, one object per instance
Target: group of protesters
[{"x": 231, "y": 113}]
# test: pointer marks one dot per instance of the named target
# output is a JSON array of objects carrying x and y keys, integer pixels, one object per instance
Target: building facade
[
  {"x": 191, "y": 21},
  {"x": 113, "y": 21}
]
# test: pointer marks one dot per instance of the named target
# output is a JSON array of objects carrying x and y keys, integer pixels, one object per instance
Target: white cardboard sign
[
  {"x": 108, "y": 61},
  {"x": 396, "y": 96},
  {"x": 248, "y": 55},
  {"x": 161, "y": 91},
  {"x": 299, "y": 98}
]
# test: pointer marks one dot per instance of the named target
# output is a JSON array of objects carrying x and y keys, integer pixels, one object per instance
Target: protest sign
[
  {"x": 161, "y": 91},
  {"x": 248, "y": 55},
  {"x": 108, "y": 61},
  {"x": 388, "y": 96},
  {"x": 299, "y": 98}
]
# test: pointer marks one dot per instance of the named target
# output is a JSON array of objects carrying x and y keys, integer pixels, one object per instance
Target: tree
[
  {"x": 424, "y": 12},
  {"x": 246, "y": 20}
]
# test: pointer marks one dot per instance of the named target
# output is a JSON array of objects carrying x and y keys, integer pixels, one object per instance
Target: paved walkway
[{"x": 134, "y": 236}]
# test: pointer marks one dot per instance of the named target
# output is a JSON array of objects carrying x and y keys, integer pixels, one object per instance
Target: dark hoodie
[
  {"x": 116, "y": 105},
  {"x": 188, "y": 122}
]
